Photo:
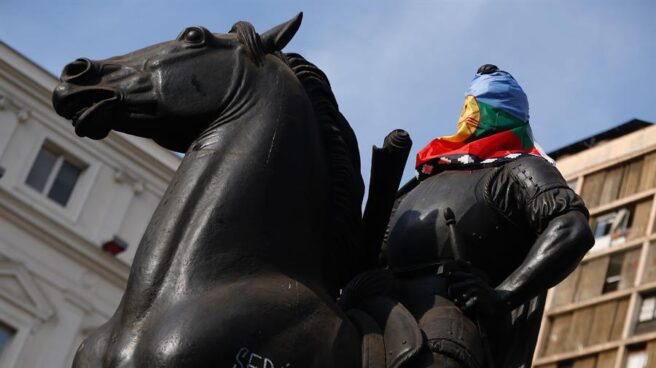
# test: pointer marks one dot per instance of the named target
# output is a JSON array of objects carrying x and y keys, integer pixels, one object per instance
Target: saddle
[{"x": 391, "y": 337}]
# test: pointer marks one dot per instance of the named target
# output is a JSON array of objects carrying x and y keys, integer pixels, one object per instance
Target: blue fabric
[{"x": 500, "y": 90}]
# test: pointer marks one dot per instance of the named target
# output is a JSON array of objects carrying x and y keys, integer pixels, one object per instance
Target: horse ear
[{"x": 279, "y": 36}]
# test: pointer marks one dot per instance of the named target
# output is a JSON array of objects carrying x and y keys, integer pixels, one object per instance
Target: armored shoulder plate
[
  {"x": 535, "y": 175},
  {"x": 530, "y": 190}
]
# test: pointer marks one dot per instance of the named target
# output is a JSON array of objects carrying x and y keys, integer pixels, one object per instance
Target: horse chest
[{"x": 268, "y": 321}]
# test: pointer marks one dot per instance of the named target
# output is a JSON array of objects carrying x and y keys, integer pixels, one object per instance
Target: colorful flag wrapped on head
[{"x": 493, "y": 127}]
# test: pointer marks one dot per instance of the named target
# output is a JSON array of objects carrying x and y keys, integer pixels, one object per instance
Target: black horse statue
[{"x": 244, "y": 257}]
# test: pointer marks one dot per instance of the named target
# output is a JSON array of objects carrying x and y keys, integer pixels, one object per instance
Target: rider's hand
[{"x": 473, "y": 295}]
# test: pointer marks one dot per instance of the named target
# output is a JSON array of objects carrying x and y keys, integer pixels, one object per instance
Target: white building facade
[{"x": 72, "y": 212}]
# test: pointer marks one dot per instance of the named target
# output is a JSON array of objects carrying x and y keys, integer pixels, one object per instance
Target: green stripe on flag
[
  {"x": 495, "y": 121},
  {"x": 524, "y": 136}
]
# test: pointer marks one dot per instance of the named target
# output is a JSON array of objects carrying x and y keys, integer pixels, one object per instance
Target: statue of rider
[{"x": 486, "y": 228}]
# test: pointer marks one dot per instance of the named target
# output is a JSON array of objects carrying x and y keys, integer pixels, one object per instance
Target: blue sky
[{"x": 585, "y": 65}]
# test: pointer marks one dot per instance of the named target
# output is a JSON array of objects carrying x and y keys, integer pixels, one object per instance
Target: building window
[
  {"x": 613, "y": 273},
  {"x": 611, "y": 228},
  {"x": 647, "y": 315},
  {"x": 637, "y": 357},
  {"x": 54, "y": 174},
  {"x": 566, "y": 364},
  {"x": 6, "y": 333},
  {"x": 647, "y": 309}
]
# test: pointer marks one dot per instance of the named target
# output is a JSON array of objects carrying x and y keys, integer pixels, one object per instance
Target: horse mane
[{"x": 343, "y": 254}]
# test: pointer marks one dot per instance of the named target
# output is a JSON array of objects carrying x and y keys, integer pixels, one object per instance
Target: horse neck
[{"x": 250, "y": 196}]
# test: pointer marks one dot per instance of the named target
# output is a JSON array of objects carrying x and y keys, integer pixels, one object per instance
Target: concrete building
[
  {"x": 604, "y": 314},
  {"x": 72, "y": 212}
]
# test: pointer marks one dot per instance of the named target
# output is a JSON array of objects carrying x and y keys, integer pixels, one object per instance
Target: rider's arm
[
  {"x": 556, "y": 215},
  {"x": 555, "y": 253},
  {"x": 533, "y": 195}
]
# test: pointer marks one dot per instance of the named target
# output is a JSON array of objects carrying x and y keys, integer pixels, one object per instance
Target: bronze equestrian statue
[{"x": 260, "y": 230}]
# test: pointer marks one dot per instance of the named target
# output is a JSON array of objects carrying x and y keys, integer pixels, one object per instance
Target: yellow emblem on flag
[{"x": 470, "y": 117}]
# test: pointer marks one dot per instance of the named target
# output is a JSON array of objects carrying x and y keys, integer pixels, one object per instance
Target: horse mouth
[
  {"x": 94, "y": 121},
  {"x": 92, "y": 111}
]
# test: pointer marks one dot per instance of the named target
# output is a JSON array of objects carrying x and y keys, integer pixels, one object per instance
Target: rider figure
[{"x": 488, "y": 227}]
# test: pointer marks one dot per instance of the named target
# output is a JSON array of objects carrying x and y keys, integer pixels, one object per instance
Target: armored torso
[{"x": 499, "y": 212}]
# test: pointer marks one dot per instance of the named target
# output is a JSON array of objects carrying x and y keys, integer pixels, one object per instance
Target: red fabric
[{"x": 496, "y": 145}]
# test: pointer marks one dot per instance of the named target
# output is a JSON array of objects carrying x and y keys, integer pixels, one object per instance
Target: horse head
[
  {"x": 171, "y": 91},
  {"x": 257, "y": 108}
]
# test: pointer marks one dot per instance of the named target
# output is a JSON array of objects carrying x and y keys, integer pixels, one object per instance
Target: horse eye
[{"x": 193, "y": 35}]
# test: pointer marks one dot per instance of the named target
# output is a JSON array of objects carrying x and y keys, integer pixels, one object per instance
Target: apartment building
[{"x": 604, "y": 314}]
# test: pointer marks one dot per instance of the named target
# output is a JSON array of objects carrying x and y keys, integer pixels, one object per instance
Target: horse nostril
[{"x": 78, "y": 69}]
